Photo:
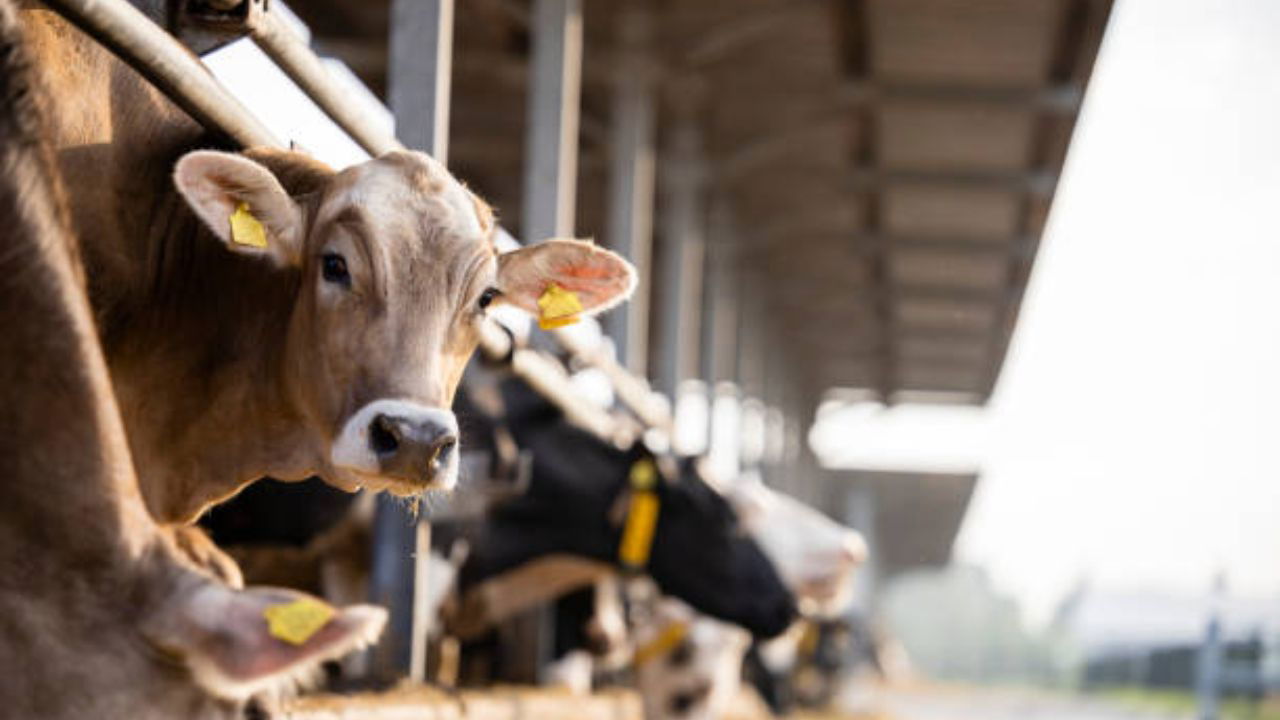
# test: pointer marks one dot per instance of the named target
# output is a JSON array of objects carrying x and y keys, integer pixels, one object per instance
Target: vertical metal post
[
  {"x": 391, "y": 585},
  {"x": 551, "y": 172},
  {"x": 421, "y": 72},
  {"x": 720, "y": 334},
  {"x": 631, "y": 181},
  {"x": 719, "y": 316},
  {"x": 421, "y": 61},
  {"x": 860, "y": 514},
  {"x": 551, "y": 147},
  {"x": 683, "y": 244},
  {"x": 1209, "y": 662}
]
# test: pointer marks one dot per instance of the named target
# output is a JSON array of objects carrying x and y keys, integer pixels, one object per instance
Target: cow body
[
  {"x": 334, "y": 350},
  {"x": 100, "y": 614}
]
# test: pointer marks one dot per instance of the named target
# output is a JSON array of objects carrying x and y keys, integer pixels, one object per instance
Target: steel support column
[
  {"x": 421, "y": 47},
  {"x": 550, "y": 185},
  {"x": 683, "y": 246},
  {"x": 551, "y": 147},
  {"x": 860, "y": 514},
  {"x": 420, "y": 73},
  {"x": 720, "y": 337},
  {"x": 631, "y": 180}
]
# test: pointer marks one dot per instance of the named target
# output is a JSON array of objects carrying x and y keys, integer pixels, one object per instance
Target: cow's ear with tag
[
  {"x": 242, "y": 203},
  {"x": 590, "y": 278},
  {"x": 240, "y": 642}
]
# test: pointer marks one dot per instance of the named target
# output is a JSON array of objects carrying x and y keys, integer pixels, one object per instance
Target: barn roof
[{"x": 890, "y": 163}]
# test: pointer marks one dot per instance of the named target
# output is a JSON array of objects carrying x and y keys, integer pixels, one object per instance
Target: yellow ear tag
[
  {"x": 559, "y": 307},
  {"x": 245, "y": 228},
  {"x": 295, "y": 622}
]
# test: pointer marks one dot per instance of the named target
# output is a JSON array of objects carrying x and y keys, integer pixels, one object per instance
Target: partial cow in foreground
[
  {"x": 330, "y": 347},
  {"x": 100, "y": 615}
]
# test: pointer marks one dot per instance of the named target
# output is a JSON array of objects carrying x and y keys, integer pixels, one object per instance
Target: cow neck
[
  {"x": 70, "y": 500},
  {"x": 208, "y": 334},
  {"x": 159, "y": 284}
]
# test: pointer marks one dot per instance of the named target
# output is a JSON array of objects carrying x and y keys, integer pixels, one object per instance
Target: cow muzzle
[{"x": 400, "y": 446}]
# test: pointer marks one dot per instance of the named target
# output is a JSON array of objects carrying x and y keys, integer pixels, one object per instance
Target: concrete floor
[{"x": 964, "y": 704}]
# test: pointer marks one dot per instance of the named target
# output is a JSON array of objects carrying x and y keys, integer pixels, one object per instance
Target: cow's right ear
[
  {"x": 242, "y": 203},
  {"x": 237, "y": 643}
]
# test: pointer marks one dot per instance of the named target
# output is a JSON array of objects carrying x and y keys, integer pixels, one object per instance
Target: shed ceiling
[{"x": 889, "y": 163}]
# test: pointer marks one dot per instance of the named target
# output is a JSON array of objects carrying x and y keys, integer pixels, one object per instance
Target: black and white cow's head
[{"x": 575, "y": 505}]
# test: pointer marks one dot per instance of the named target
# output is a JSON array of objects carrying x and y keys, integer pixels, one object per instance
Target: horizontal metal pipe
[
  {"x": 305, "y": 68},
  {"x": 125, "y": 31}
]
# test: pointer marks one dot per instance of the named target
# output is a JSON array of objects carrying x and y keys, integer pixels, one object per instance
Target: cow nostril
[
  {"x": 445, "y": 447},
  {"x": 383, "y": 436}
]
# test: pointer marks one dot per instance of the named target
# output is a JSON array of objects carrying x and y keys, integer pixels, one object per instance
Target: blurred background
[{"x": 992, "y": 282}]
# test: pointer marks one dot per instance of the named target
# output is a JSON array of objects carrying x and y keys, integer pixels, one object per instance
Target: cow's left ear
[
  {"x": 242, "y": 203},
  {"x": 240, "y": 642},
  {"x": 599, "y": 278}
]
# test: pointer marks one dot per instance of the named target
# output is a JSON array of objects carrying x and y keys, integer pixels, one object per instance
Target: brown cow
[
  {"x": 333, "y": 351},
  {"x": 99, "y": 615}
]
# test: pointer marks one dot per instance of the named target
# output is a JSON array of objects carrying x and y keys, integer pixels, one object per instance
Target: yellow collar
[
  {"x": 642, "y": 516},
  {"x": 666, "y": 641}
]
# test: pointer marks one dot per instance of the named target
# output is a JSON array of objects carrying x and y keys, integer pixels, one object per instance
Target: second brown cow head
[{"x": 396, "y": 267}]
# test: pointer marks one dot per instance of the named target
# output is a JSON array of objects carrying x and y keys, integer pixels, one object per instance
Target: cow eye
[
  {"x": 333, "y": 267},
  {"x": 488, "y": 296}
]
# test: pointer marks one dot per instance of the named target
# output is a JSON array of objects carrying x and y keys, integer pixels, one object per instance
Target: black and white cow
[{"x": 576, "y": 505}]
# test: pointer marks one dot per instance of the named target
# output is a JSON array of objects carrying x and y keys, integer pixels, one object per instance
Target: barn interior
[{"x": 827, "y": 201}]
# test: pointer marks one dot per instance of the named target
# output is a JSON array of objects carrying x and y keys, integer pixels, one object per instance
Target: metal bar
[
  {"x": 421, "y": 68},
  {"x": 422, "y": 620},
  {"x": 549, "y": 378},
  {"x": 304, "y": 67},
  {"x": 159, "y": 58},
  {"x": 683, "y": 240},
  {"x": 1062, "y": 99},
  {"x": 631, "y": 183},
  {"x": 392, "y": 535},
  {"x": 745, "y": 164},
  {"x": 421, "y": 46},
  {"x": 631, "y": 389},
  {"x": 551, "y": 151}
]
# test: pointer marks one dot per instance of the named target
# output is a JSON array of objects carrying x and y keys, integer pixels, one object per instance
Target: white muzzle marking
[{"x": 353, "y": 451}]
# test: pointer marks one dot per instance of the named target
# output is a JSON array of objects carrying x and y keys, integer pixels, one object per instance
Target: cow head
[
  {"x": 577, "y": 502},
  {"x": 394, "y": 268},
  {"x": 816, "y": 556}
]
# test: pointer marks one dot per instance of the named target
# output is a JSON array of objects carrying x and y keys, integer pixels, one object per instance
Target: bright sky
[{"x": 1134, "y": 438}]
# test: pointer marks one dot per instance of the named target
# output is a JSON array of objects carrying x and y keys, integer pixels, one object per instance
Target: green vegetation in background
[{"x": 1184, "y": 703}]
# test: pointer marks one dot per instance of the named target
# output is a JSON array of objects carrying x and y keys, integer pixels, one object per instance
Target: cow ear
[
  {"x": 242, "y": 203},
  {"x": 599, "y": 278},
  {"x": 240, "y": 642}
]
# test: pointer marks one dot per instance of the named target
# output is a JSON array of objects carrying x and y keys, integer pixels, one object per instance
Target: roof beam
[
  {"x": 1063, "y": 99},
  {"x": 863, "y": 179}
]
